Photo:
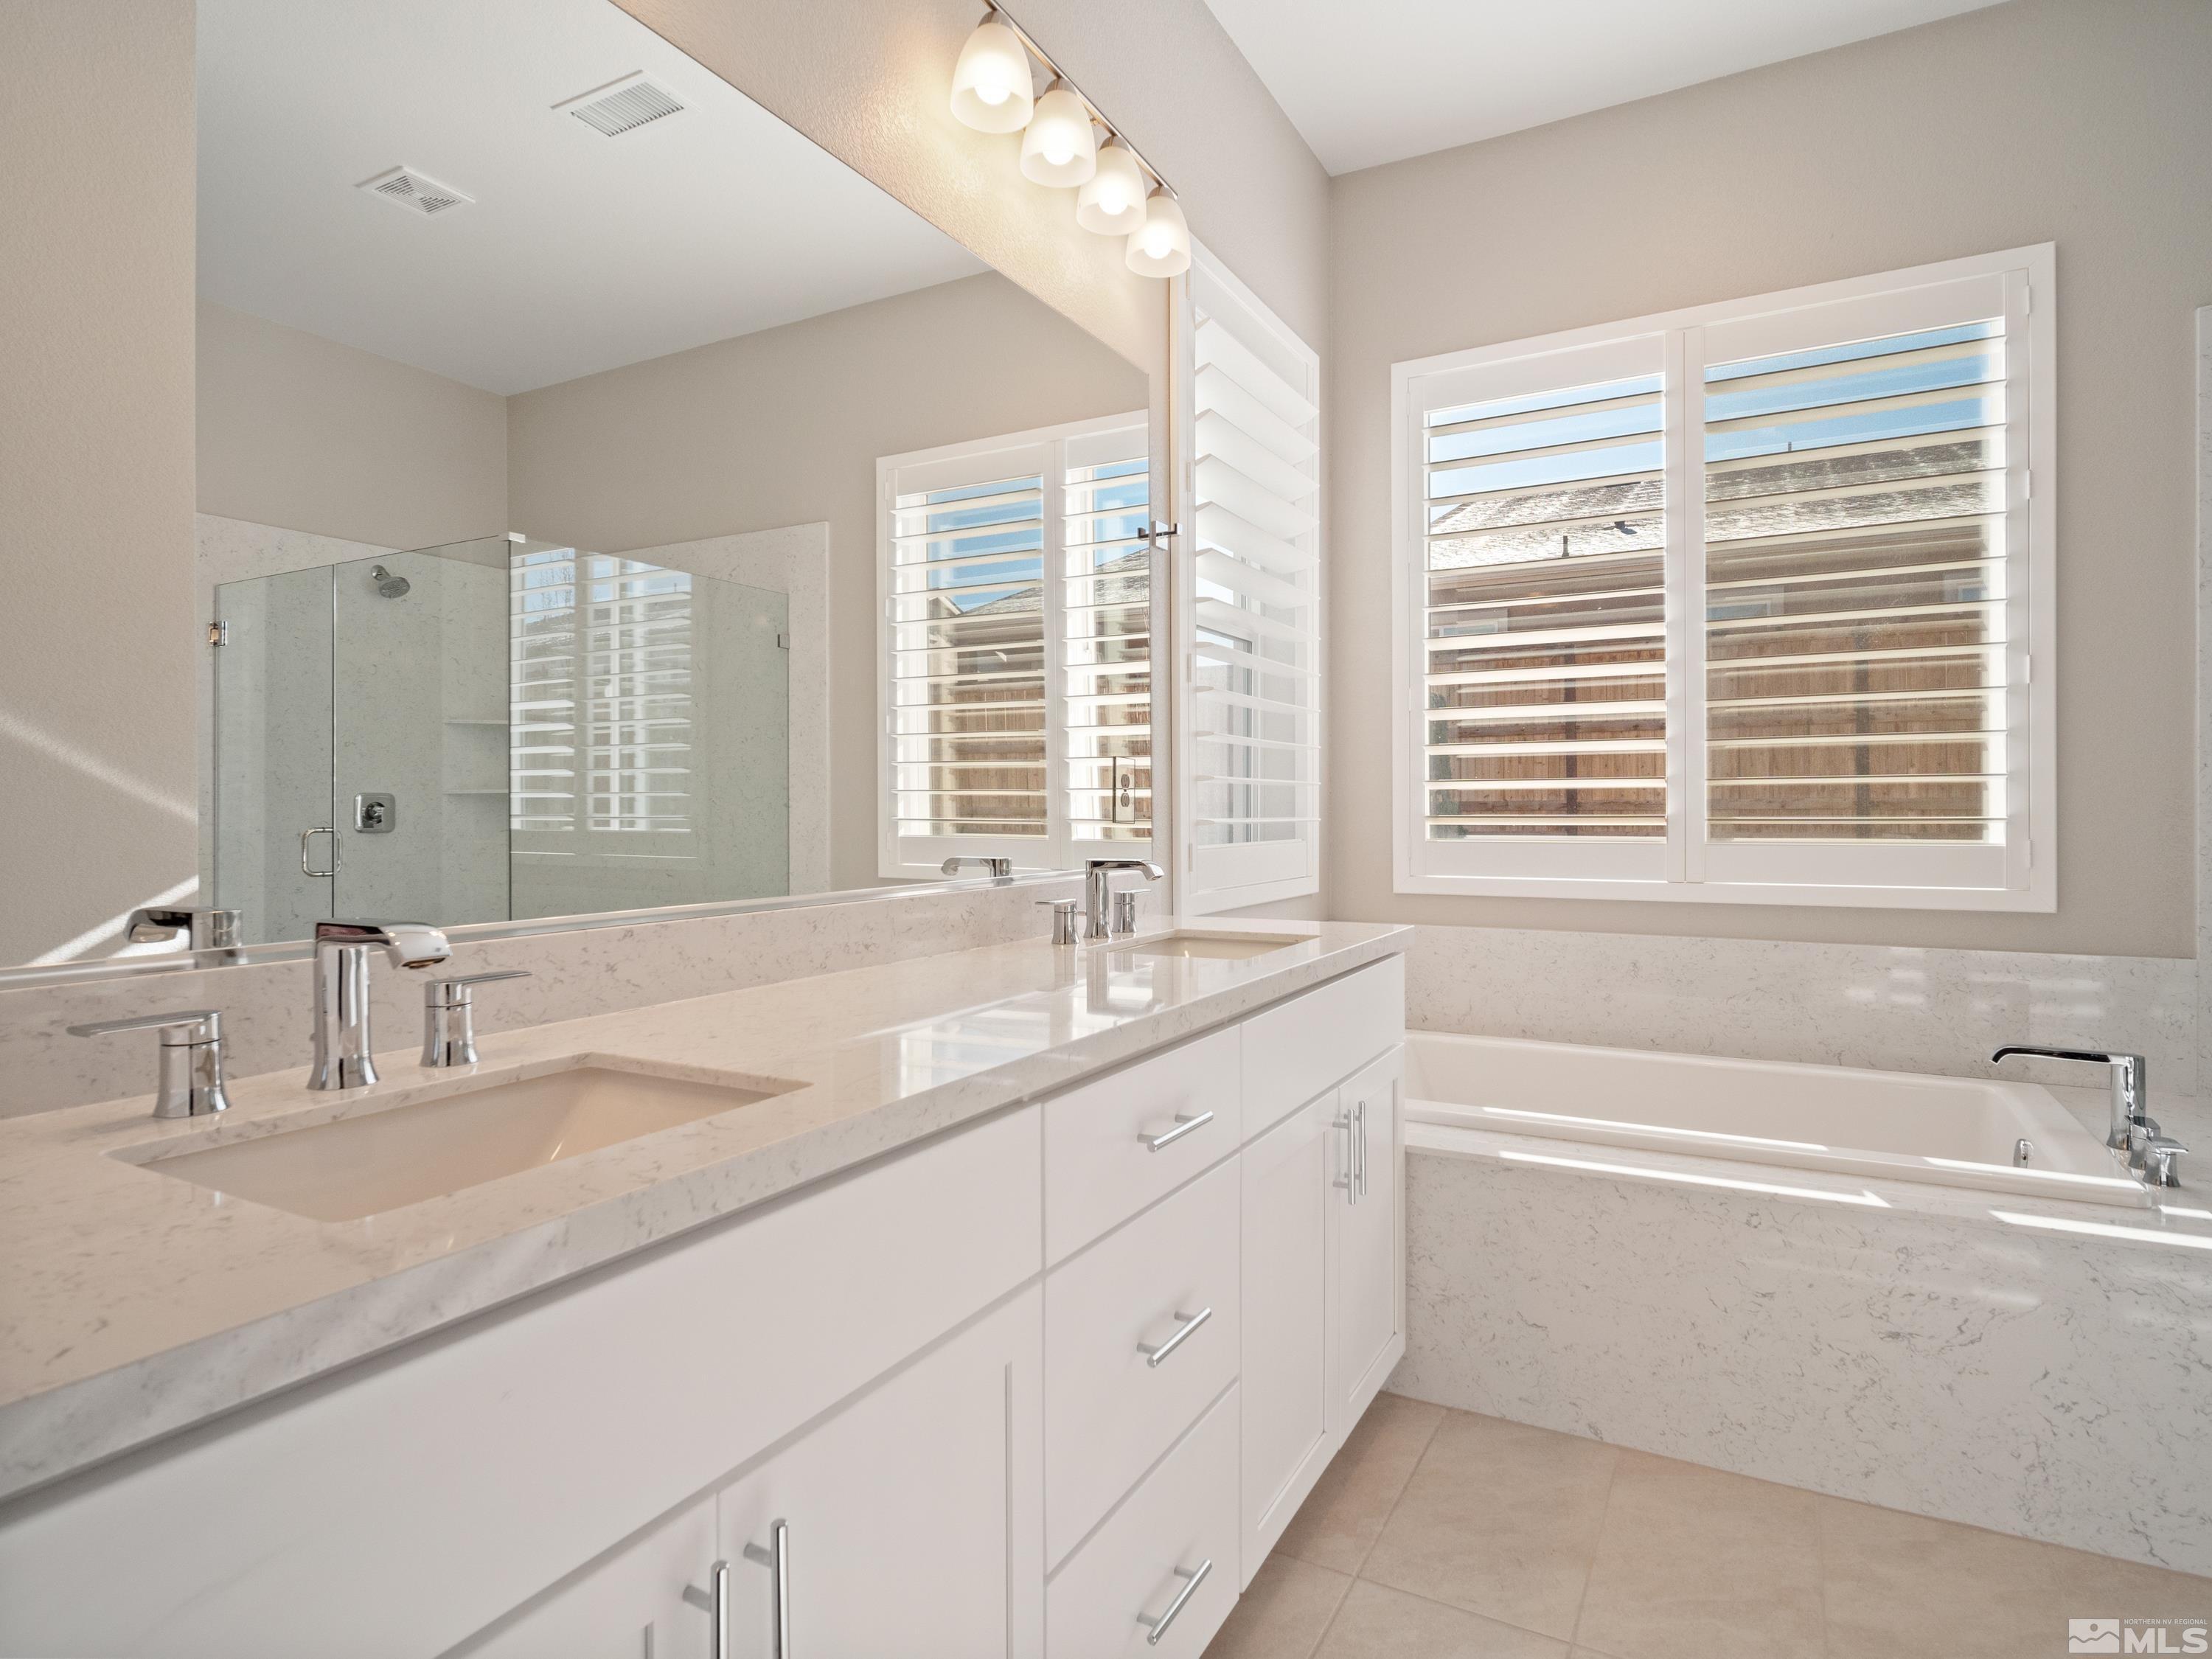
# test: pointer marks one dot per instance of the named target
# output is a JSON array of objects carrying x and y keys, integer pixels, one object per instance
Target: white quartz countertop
[{"x": 134, "y": 1304}]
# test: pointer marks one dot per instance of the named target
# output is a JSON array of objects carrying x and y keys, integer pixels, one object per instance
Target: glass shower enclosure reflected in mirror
[{"x": 497, "y": 729}]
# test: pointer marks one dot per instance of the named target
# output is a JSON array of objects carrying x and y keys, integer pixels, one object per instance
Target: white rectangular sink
[
  {"x": 374, "y": 1161},
  {"x": 1217, "y": 947}
]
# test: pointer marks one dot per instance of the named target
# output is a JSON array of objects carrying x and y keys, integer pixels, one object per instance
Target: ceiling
[
  {"x": 1383, "y": 79},
  {"x": 579, "y": 252}
]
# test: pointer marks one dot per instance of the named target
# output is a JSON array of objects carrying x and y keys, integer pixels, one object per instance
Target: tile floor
[{"x": 1439, "y": 1535}]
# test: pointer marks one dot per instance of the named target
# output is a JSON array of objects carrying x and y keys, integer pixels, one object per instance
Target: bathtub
[{"x": 1901, "y": 1125}]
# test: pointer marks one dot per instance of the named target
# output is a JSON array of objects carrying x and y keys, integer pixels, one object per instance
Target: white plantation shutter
[
  {"x": 1740, "y": 603},
  {"x": 1542, "y": 680},
  {"x": 1251, "y": 625},
  {"x": 1015, "y": 673},
  {"x": 601, "y": 702}
]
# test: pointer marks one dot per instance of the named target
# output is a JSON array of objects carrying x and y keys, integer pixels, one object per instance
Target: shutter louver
[
  {"x": 1107, "y": 633},
  {"x": 1855, "y": 590},
  {"x": 1254, "y": 631}
]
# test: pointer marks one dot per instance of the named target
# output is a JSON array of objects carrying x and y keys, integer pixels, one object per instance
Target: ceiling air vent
[
  {"x": 405, "y": 187},
  {"x": 624, "y": 106}
]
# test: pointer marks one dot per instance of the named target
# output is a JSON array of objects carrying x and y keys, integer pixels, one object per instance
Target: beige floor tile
[
  {"x": 1283, "y": 1613},
  {"x": 1696, "y": 1564},
  {"x": 1500, "y": 1519},
  {"x": 1375, "y": 1623},
  {"x": 1900, "y": 1586},
  {"x": 2098, "y": 1587},
  {"x": 1338, "y": 1523}
]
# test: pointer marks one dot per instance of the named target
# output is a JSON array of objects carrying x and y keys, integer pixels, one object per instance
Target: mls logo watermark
[{"x": 2137, "y": 1636}]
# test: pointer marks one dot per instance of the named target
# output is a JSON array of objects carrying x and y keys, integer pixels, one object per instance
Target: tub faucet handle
[{"x": 2160, "y": 1156}]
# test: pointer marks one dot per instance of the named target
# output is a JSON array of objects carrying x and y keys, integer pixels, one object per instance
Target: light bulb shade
[
  {"x": 1161, "y": 246},
  {"x": 1059, "y": 147},
  {"x": 991, "y": 86},
  {"x": 1113, "y": 203}
]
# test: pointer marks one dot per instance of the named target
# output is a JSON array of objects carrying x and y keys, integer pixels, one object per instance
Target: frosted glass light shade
[
  {"x": 1161, "y": 246},
  {"x": 1113, "y": 203},
  {"x": 991, "y": 86},
  {"x": 1059, "y": 147}
]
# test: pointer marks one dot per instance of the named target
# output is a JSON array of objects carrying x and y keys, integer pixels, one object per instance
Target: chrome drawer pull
[
  {"x": 1185, "y": 1122},
  {"x": 1159, "y": 1626},
  {"x": 716, "y": 1605},
  {"x": 777, "y": 1560},
  {"x": 1190, "y": 1322}
]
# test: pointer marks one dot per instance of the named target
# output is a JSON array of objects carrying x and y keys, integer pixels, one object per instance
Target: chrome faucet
[
  {"x": 341, "y": 1037},
  {"x": 204, "y": 929},
  {"x": 991, "y": 866},
  {"x": 2132, "y": 1131},
  {"x": 1098, "y": 883}
]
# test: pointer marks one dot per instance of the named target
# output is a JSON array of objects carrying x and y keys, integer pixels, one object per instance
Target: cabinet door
[
  {"x": 1286, "y": 1429},
  {"x": 911, "y": 1521},
  {"x": 1366, "y": 1295},
  {"x": 629, "y": 1606}
]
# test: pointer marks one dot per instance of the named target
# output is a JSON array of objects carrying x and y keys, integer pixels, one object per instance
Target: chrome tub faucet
[{"x": 2132, "y": 1131}]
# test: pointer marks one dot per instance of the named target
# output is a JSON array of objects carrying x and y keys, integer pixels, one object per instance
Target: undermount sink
[
  {"x": 1218, "y": 947},
  {"x": 374, "y": 1161}
]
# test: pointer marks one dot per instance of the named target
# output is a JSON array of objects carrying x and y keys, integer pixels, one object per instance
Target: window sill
[{"x": 2040, "y": 898}]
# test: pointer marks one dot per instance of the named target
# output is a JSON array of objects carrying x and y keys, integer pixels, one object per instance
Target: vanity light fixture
[
  {"x": 1060, "y": 149},
  {"x": 1120, "y": 192},
  {"x": 1113, "y": 203},
  {"x": 1161, "y": 246},
  {"x": 991, "y": 86}
]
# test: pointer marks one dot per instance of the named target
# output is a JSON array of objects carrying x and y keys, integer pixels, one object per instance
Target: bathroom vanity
[{"x": 1015, "y": 1311}]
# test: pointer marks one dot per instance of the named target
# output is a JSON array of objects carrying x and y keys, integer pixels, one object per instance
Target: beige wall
[
  {"x": 96, "y": 464},
  {"x": 2086, "y": 124},
  {"x": 301, "y": 432},
  {"x": 784, "y": 427}
]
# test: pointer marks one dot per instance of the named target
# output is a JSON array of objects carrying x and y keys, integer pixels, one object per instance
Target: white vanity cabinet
[{"x": 1051, "y": 1384}]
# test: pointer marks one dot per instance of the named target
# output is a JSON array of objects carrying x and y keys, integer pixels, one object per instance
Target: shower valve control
[{"x": 375, "y": 815}]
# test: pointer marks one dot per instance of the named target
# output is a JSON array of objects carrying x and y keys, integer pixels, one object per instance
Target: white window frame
[
  {"x": 1686, "y": 868},
  {"x": 1043, "y": 450}
]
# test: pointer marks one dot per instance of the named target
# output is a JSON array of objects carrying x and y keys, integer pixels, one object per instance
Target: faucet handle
[
  {"x": 199, "y": 1025},
  {"x": 1063, "y": 919},
  {"x": 190, "y": 1080},
  {"x": 449, "y": 1028},
  {"x": 2160, "y": 1155}
]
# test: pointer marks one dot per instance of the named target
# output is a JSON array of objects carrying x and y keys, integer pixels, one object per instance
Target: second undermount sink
[
  {"x": 1218, "y": 947},
  {"x": 373, "y": 1161}
]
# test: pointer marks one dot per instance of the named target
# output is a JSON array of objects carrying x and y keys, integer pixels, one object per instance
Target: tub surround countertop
[
  {"x": 2183, "y": 1212},
  {"x": 137, "y": 1305}
]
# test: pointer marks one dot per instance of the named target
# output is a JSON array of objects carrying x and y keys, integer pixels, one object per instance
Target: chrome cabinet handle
[
  {"x": 1359, "y": 1147},
  {"x": 1193, "y": 1579},
  {"x": 337, "y": 856},
  {"x": 1349, "y": 1180},
  {"x": 1156, "y": 1353},
  {"x": 1185, "y": 1122},
  {"x": 715, "y": 1598},
  {"x": 776, "y": 1558}
]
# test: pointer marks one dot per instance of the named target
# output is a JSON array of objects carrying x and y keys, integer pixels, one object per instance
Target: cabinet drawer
[
  {"x": 1184, "y": 1517},
  {"x": 471, "y": 1472},
  {"x": 1099, "y": 1164},
  {"x": 1109, "y": 1410},
  {"x": 1296, "y": 1049}
]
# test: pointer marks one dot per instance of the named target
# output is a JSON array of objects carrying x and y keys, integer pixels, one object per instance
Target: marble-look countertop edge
[{"x": 51, "y": 1434}]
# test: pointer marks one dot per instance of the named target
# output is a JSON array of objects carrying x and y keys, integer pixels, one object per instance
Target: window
[
  {"x": 1251, "y": 610},
  {"x": 1016, "y": 664},
  {"x": 1750, "y": 602},
  {"x": 601, "y": 704}
]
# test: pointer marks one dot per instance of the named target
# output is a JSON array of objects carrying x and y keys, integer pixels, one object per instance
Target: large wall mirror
[{"x": 609, "y": 499}]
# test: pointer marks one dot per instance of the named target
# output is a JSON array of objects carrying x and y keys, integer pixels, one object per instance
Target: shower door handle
[{"x": 307, "y": 866}]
